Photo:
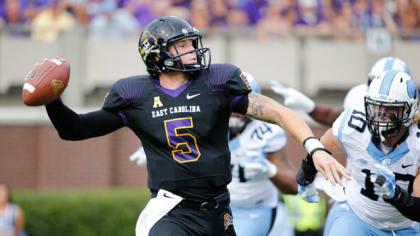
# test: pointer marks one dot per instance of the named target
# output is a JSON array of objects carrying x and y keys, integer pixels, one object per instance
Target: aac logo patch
[
  {"x": 106, "y": 95},
  {"x": 245, "y": 80},
  {"x": 227, "y": 220},
  {"x": 157, "y": 102}
]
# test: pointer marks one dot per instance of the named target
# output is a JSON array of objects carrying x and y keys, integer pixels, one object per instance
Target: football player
[
  {"x": 354, "y": 98},
  {"x": 381, "y": 144},
  {"x": 256, "y": 158},
  {"x": 181, "y": 111}
]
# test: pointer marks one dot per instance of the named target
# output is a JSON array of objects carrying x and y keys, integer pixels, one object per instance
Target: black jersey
[{"x": 184, "y": 131}]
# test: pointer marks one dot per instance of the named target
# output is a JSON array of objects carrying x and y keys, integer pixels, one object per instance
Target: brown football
[{"x": 46, "y": 82}]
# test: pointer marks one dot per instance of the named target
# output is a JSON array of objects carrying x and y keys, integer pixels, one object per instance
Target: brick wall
[{"x": 33, "y": 156}]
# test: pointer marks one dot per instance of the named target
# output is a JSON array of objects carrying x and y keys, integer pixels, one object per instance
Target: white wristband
[{"x": 312, "y": 144}]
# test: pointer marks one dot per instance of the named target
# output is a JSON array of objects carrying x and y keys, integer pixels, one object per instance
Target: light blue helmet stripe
[
  {"x": 406, "y": 70},
  {"x": 386, "y": 83},
  {"x": 412, "y": 89},
  {"x": 389, "y": 64}
]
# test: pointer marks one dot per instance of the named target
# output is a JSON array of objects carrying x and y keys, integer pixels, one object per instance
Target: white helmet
[
  {"x": 386, "y": 64},
  {"x": 390, "y": 103}
]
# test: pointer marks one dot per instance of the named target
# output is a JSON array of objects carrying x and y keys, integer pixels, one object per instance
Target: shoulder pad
[{"x": 125, "y": 92}]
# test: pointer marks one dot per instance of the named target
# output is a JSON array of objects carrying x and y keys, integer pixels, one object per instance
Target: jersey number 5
[{"x": 184, "y": 145}]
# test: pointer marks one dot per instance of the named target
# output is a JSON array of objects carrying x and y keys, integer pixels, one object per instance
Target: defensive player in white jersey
[
  {"x": 382, "y": 144},
  {"x": 258, "y": 172},
  {"x": 326, "y": 114}
]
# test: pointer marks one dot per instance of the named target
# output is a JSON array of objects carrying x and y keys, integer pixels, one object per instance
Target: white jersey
[
  {"x": 355, "y": 97},
  {"x": 352, "y": 131},
  {"x": 258, "y": 137},
  {"x": 8, "y": 218}
]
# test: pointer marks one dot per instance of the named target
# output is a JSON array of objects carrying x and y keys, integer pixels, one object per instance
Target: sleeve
[
  {"x": 73, "y": 126},
  {"x": 121, "y": 95},
  {"x": 113, "y": 100},
  {"x": 239, "y": 87},
  {"x": 237, "y": 82},
  {"x": 339, "y": 125}
]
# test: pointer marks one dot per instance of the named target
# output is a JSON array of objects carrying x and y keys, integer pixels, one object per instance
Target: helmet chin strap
[{"x": 402, "y": 134}]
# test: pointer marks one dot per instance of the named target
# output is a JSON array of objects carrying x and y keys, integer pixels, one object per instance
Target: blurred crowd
[{"x": 116, "y": 19}]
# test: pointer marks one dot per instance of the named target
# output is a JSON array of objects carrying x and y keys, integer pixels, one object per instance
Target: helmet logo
[{"x": 148, "y": 45}]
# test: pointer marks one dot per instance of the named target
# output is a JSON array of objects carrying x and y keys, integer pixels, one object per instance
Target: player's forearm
[
  {"x": 73, "y": 126},
  {"x": 406, "y": 204},
  {"x": 325, "y": 115},
  {"x": 293, "y": 124},
  {"x": 266, "y": 109}
]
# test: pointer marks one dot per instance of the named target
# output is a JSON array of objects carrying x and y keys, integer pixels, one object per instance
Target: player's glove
[
  {"x": 384, "y": 181},
  {"x": 293, "y": 98},
  {"x": 257, "y": 167},
  {"x": 305, "y": 178},
  {"x": 308, "y": 193},
  {"x": 139, "y": 156}
]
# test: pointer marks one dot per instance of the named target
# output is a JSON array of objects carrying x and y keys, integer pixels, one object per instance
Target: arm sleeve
[
  {"x": 406, "y": 204},
  {"x": 73, "y": 126},
  {"x": 239, "y": 87}
]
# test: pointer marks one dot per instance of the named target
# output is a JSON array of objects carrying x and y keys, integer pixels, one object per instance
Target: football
[{"x": 46, "y": 82}]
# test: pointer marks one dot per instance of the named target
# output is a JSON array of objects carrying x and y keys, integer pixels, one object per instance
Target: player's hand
[
  {"x": 257, "y": 167},
  {"x": 330, "y": 168},
  {"x": 308, "y": 193},
  {"x": 383, "y": 180},
  {"x": 293, "y": 98},
  {"x": 139, "y": 156}
]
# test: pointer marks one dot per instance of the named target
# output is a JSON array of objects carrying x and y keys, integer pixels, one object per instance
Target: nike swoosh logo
[
  {"x": 192, "y": 96},
  {"x": 166, "y": 195},
  {"x": 405, "y": 166}
]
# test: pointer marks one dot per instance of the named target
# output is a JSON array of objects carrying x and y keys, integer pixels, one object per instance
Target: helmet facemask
[
  {"x": 174, "y": 63},
  {"x": 387, "y": 119}
]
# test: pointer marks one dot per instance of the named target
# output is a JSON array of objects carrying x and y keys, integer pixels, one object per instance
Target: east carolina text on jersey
[
  {"x": 183, "y": 131},
  {"x": 178, "y": 109}
]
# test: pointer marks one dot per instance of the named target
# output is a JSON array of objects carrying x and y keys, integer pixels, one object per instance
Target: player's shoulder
[
  {"x": 220, "y": 73},
  {"x": 223, "y": 68},
  {"x": 351, "y": 125},
  {"x": 413, "y": 138},
  {"x": 355, "y": 96},
  {"x": 126, "y": 91},
  {"x": 131, "y": 87},
  {"x": 222, "y": 77}
]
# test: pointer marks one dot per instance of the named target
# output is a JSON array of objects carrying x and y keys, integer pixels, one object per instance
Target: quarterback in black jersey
[{"x": 180, "y": 112}]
